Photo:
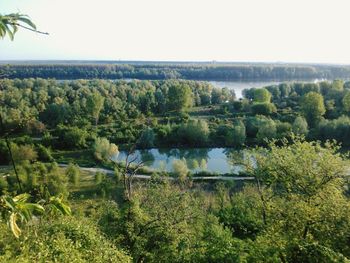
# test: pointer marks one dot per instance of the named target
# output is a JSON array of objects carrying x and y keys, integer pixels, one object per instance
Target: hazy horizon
[
  {"x": 250, "y": 31},
  {"x": 110, "y": 61}
]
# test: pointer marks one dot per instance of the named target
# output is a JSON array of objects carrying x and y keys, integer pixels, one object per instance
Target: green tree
[
  {"x": 44, "y": 154},
  {"x": 267, "y": 130},
  {"x": 265, "y": 108},
  {"x": 146, "y": 139},
  {"x": 217, "y": 96},
  {"x": 346, "y": 102},
  {"x": 300, "y": 126},
  {"x": 300, "y": 188},
  {"x": 73, "y": 174},
  {"x": 195, "y": 132},
  {"x": 23, "y": 153},
  {"x": 72, "y": 137},
  {"x": 104, "y": 150},
  {"x": 261, "y": 95},
  {"x": 238, "y": 133},
  {"x": 180, "y": 169},
  {"x": 312, "y": 107},
  {"x": 179, "y": 97},
  {"x": 94, "y": 105},
  {"x": 338, "y": 85},
  {"x": 165, "y": 222}
]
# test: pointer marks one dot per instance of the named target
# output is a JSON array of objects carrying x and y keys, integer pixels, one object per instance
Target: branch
[{"x": 30, "y": 29}]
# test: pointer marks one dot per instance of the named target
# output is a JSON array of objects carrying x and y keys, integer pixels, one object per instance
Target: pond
[{"x": 215, "y": 160}]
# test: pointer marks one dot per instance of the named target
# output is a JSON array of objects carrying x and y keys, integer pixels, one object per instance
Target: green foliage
[
  {"x": 44, "y": 154},
  {"x": 261, "y": 96},
  {"x": 338, "y": 85},
  {"x": 4, "y": 154},
  {"x": 239, "y": 133},
  {"x": 195, "y": 132},
  {"x": 72, "y": 137},
  {"x": 146, "y": 139},
  {"x": 121, "y": 108},
  {"x": 23, "y": 153},
  {"x": 312, "y": 106},
  {"x": 195, "y": 71},
  {"x": 180, "y": 169},
  {"x": 104, "y": 150},
  {"x": 346, "y": 102},
  {"x": 73, "y": 174},
  {"x": 217, "y": 244},
  {"x": 94, "y": 105},
  {"x": 180, "y": 97},
  {"x": 338, "y": 129},
  {"x": 264, "y": 108},
  {"x": 219, "y": 96},
  {"x": 267, "y": 130},
  {"x": 66, "y": 239},
  {"x": 99, "y": 177},
  {"x": 9, "y": 24},
  {"x": 42, "y": 180},
  {"x": 15, "y": 209},
  {"x": 242, "y": 214},
  {"x": 164, "y": 222},
  {"x": 283, "y": 129},
  {"x": 300, "y": 126},
  {"x": 302, "y": 202},
  {"x": 231, "y": 135}
]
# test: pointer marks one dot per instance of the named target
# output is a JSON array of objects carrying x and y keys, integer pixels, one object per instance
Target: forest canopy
[{"x": 159, "y": 71}]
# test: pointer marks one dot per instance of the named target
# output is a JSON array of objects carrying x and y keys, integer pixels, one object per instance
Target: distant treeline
[{"x": 200, "y": 71}]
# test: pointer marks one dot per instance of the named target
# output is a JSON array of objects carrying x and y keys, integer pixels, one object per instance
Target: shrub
[
  {"x": 104, "y": 150},
  {"x": 265, "y": 108},
  {"x": 73, "y": 174},
  {"x": 180, "y": 169}
]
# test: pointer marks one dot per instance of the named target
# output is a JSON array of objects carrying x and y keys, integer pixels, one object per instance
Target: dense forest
[
  {"x": 190, "y": 71},
  {"x": 173, "y": 112},
  {"x": 63, "y": 198},
  {"x": 296, "y": 209}
]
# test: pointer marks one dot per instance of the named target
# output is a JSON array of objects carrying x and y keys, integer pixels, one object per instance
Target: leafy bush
[
  {"x": 62, "y": 240},
  {"x": 265, "y": 108},
  {"x": 104, "y": 150}
]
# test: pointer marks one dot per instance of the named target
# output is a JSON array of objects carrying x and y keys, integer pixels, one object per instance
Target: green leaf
[
  {"x": 21, "y": 198},
  {"x": 58, "y": 204}
]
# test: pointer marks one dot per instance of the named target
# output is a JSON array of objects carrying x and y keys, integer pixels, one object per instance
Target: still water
[
  {"x": 239, "y": 86},
  {"x": 215, "y": 160}
]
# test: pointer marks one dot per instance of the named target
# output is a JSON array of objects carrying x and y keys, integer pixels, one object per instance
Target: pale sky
[{"x": 183, "y": 30}]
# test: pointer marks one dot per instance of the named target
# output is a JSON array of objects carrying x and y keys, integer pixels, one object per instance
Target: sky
[{"x": 307, "y": 31}]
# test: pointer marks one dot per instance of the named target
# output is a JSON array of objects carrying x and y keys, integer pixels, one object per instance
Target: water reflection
[{"x": 215, "y": 160}]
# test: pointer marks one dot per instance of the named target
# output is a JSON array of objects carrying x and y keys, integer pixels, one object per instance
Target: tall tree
[
  {"x": 300, "y": 126},
  {"x": 313, "y": 108},
  {"x": 304, "y": 208},
  {"x": 179, "y": 97},
  {"x": 346, "y": 102},
  {"x": 95, "y": 104},
  {"x": 261, "y": 95}
]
